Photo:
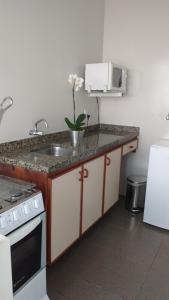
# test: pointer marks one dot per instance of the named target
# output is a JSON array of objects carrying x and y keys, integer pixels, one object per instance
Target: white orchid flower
[
  {"x": 75, "y": 76},
  {"x": 72, "y": 78},
  {"x": 77, "y": 83},
  {"x": 76, "y": 88},
  {"x": 80, "y": 79}
]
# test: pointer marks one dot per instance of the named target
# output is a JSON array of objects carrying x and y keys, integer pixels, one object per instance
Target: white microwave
[{"x": 105, "y": 77}]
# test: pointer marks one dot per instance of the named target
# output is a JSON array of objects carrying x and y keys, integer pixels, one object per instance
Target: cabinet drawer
[{"x": 130, "y": 147}]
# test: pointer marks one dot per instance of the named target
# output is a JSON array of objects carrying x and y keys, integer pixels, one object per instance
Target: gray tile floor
[{"x": 119, "y": 258}]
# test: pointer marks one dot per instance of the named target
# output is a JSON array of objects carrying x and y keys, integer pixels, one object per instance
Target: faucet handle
[{"x": 34, "y": 132}]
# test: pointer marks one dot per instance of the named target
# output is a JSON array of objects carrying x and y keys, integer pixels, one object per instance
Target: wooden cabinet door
[
  {"x": 92, "y": 192},
  {"x": 112, "y": 178},
  {"x": 65, "y": 211}
]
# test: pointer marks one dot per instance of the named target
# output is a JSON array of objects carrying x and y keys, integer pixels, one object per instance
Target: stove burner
[
  {"x": 30, "y": 190},
  {"x": 14, "y": 195}
]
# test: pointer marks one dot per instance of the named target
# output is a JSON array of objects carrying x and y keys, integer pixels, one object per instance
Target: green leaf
[
  {"x": 71, "y": 125},
  {"x": 78, "y": 125},
  {"x": 79, "y": 122}
]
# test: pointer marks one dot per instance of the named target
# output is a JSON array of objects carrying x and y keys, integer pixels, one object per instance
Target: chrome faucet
[{"x": 35, "y": 131}]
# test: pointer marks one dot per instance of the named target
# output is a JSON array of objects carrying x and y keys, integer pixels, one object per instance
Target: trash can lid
[{"x": 137, "y": 178}]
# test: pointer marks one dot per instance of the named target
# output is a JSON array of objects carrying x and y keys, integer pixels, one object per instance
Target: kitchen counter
[
  {"x": 97, "y": 140},
  {"x": 71, "y": 190}
]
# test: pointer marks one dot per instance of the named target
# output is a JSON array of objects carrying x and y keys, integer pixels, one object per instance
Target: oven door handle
[{"x": 22, "y": 232}]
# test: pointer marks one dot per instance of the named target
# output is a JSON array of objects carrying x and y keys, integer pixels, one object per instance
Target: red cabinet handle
[
  {"x": 86, "y": 173},
  {"x": 108, "y": 161},
  {"x": 81, "y": 175}
]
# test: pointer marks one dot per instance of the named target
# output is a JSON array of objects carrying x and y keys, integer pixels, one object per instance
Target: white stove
[
  {"x": 23, "y": 221},
  {"x": 19, "y": 202}
]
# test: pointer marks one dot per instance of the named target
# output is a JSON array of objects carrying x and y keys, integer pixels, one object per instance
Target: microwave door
[{"x": 117, "y": 78}]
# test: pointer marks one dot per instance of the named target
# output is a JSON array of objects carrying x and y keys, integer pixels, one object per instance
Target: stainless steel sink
[{"x": 55, "y": 150}]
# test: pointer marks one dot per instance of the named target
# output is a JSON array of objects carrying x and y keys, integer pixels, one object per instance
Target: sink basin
[{"x": 55, "y": 150}]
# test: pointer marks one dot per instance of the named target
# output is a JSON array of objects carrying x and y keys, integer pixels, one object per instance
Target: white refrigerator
[{"x": 156, "y": 210}]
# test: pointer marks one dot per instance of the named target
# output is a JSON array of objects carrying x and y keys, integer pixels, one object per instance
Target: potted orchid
[{"x": 77, "y": 125}]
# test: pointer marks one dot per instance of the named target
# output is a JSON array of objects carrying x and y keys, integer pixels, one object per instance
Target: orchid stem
[{"x": 74, "y": 104}]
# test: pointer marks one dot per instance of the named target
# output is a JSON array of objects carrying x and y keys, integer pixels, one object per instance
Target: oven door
[{"x": 27, "y": 250}]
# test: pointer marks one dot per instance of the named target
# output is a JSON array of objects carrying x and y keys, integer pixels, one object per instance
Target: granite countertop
[{"x": 97, "y": 139}]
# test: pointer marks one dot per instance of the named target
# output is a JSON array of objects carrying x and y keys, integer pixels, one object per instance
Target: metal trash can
[{"x": 135, "y": 194}]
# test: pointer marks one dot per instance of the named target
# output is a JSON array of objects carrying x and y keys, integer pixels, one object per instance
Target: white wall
[
  {"x": 41, "y": 43},
  {"x": 136, "y": 36}
]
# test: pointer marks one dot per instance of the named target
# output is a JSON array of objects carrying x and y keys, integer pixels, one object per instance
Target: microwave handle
[{"x": 19, "y": 234}]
